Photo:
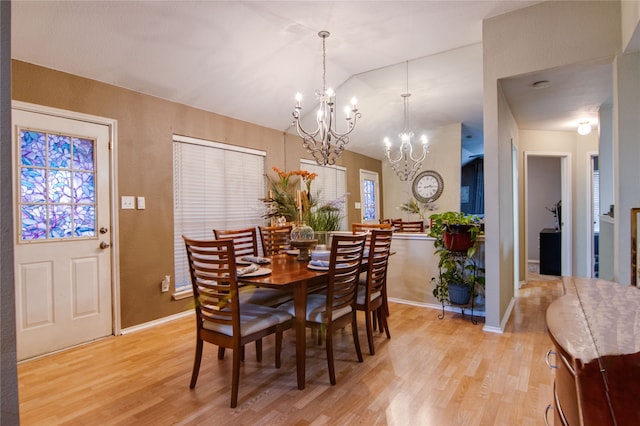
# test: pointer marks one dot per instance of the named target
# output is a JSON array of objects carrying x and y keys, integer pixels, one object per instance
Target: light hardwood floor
[{"x": 431, "y": 372}]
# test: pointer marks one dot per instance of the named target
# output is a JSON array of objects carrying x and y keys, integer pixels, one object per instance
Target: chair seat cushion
[
  {"x": 253, "y": 318},
  {"x": 263, "y": 296},
  {"x": 362, "y": 294},
  {"x": 316, "y": 307}
]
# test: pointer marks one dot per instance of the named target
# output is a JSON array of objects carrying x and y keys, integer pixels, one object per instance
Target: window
[
  {"x": 330, "y": 185},
  {"x": 57, "y": 186},
  {"x": 214, "y": 186}
]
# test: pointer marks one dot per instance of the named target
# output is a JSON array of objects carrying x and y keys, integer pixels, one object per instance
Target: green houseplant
[{"x": 455, "y": 235}]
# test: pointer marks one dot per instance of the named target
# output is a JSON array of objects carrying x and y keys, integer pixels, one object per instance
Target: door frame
[
  {"x": 112, "y": 124},
  {"x": 566, "y": 221},
  {"x": 590, "y": 219},
  {"x": 362, "y": 174}
]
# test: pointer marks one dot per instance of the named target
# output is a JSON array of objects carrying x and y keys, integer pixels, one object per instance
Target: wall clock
[{"x": 427, "y": 186}]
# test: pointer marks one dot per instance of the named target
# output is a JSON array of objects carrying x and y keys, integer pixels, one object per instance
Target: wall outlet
[{"x": 165, "y": 283}]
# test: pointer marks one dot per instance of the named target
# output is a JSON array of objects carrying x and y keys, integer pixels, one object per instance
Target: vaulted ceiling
[{"x": 247, "y": 60}]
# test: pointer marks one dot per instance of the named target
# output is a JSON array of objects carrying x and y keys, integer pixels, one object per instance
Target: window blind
[
  {"x": 330, "y": 185},
  {"x": 215, "y": 186}
]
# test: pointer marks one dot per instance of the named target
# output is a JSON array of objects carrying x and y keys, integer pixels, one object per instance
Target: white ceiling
[{"x": 248, "y": 59}]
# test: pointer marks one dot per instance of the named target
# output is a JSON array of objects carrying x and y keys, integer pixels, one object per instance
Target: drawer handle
[
  {"x": 546, "y": 359},
  {"x": 546, "y": 414}
]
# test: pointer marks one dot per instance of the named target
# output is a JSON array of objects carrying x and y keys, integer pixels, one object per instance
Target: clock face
[{"x": 428, "y": 186}]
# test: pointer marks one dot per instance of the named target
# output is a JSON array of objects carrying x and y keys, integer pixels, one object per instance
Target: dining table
[{"x": 289, "y": 273}]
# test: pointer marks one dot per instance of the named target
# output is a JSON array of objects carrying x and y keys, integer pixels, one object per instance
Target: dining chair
[
  {"x": 372, "y": 291},
  {"x": 245, "y": 241},
  {"x": 408, "y": 226},
  {"x": 336, "y": 308},
  {"x": 220, "y": 317},
  {"x": 357, "y": 228},
  {"x": 274, "y": 238}
]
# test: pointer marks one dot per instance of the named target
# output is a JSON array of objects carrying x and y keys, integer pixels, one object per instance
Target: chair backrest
[
  {"x": 245, "y": 241},
  {"x": 378, "y": 260},
  {"x": 274, "y": 238},
  {"x": 358, "y": 228},
  {"x": 344, "y": 272},
  {"x": 212, "y": 266},
  {"x": 402, "y": 226}
]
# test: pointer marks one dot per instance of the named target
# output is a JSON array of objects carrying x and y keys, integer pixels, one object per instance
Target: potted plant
[
  {"x": 455, "y": 235},
  {"x": 455, "y": 231}
]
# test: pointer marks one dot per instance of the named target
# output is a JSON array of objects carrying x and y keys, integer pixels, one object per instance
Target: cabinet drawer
[{"x": 566, "y": 391}]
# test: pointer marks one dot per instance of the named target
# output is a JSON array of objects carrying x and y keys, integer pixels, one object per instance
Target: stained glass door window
[{"x": 57, "y": 186}]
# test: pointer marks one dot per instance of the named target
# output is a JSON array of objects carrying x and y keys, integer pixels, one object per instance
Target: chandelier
[
  {"x": 404, "y": 164},
  {"x": 325, "y": 143}
]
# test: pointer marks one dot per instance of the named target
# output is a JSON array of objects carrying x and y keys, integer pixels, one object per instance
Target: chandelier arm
[{"x": 325, "y": 144}]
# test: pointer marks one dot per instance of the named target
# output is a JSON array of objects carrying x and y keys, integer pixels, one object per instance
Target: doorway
[
  {"x": 64, "y": 229},
  {"x": 547, "y": 208}
]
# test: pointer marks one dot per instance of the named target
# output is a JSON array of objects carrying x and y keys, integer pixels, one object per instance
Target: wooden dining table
[{"x": 289, "y": 273}]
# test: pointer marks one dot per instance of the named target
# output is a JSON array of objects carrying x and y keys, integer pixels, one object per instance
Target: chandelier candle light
[
  {"x": 405, "y": 165},
  {"x": 325, "y": 144}
]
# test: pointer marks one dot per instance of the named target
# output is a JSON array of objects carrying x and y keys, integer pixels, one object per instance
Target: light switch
[
  {"x": 127, "y": 202},
  {"x": 140, "y": 202},
  {"x": 357, "y": 205}
]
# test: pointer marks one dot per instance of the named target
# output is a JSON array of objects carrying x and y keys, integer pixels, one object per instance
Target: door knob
[
  {"x": 104, "y": 245},
  {"x": 104, "y": 230}
]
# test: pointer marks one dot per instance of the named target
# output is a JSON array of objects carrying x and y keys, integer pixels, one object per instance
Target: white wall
[
  {"x": 546, "y": 35},
  {"x": 543, "y": 192},
  {"x": 626, "y": 158},
  {"x": 445, "y": 153}
]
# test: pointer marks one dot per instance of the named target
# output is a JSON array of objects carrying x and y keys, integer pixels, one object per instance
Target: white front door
[
  {"x": 369, "y": 197},
  {"x": 62, "y": 232}
]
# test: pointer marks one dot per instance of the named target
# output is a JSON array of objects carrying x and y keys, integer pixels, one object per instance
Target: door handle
[
  {"x": 104, "y": 245},
  {"x": 104, "y": 230}
]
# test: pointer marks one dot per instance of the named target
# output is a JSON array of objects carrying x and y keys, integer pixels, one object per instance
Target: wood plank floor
[{"x": 431, "y": 372}]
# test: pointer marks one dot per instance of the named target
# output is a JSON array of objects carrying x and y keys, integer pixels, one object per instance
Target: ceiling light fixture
[
  {"x": 584, "y": 128},
  {"x": 404, "y": 164},
  {"x": 325, "y": 144},
  {"x": 541, "y": 84}
]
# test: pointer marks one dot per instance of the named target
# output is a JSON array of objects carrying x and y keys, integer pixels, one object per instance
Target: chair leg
[
  {"x": 354, "y": 331},
  {"x": 382, "y": 316},
  {"x": 235, "y": 377},
  {"x": 278, "y": 348},
  {"x": 329, "y": 345},
  {"x": 220, "y": 352},
  {"x": 369, "y": 318},
  {"x": 259, "y": 350},
  {"x": 196, "y": 364}
]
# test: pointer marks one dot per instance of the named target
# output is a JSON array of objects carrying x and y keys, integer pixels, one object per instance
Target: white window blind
[
  {"x": 214, "y": 186},
  {"x": 595, "y": 181},
  {"x": 330, "y": 185}
]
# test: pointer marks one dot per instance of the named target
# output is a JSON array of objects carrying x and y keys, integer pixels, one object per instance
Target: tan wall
[
  {"x": 145, "y": 168},
  {"x": 445, "y": 156}
]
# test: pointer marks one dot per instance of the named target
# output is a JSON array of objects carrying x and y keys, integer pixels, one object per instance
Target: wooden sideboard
[{"x": 595, "y": 328}]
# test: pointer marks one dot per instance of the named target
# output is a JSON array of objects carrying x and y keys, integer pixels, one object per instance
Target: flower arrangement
[{"x": 292, "y": 204}]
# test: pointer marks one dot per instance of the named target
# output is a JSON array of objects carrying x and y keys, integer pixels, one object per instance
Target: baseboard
[{"x": 157, "y": 322}]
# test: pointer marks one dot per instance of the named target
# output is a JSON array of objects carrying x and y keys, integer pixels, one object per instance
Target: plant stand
[
  {"x": 474, "y": 321},
  {"x": 462, "y": 256}
]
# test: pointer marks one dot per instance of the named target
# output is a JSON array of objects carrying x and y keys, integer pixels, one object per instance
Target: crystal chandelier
[
  {"x": 404, "y": 164},
  {"x": 325, "y": 144}
]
